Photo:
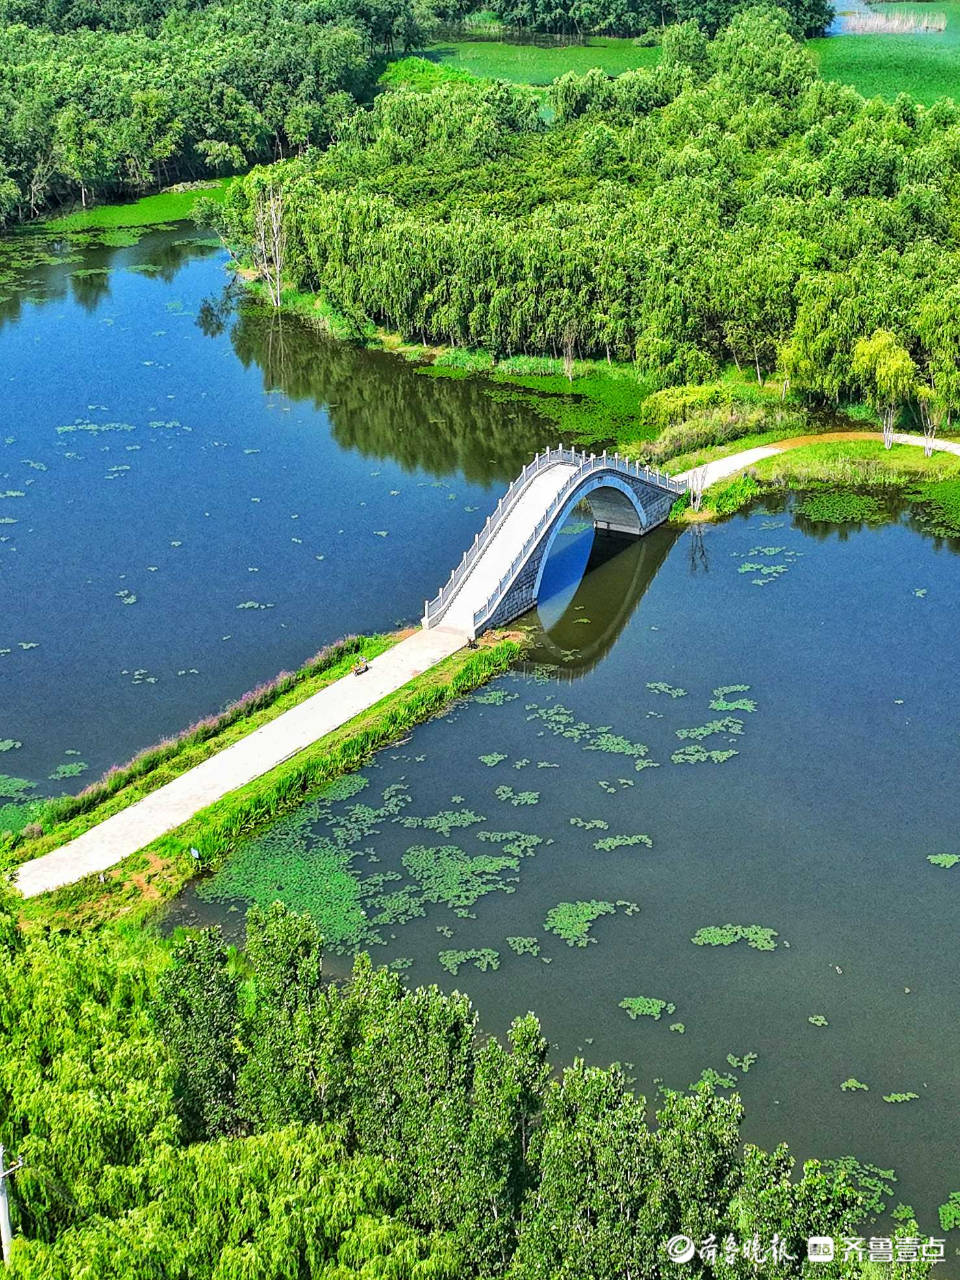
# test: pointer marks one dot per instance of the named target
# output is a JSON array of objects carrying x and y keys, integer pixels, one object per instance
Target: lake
[
  {"x": 752, "y": 725},
  {"x": 743, "y": 735},
  {"x": 196, "y": 494}
]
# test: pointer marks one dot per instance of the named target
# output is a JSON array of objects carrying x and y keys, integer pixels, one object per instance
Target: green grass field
[
  {"x": 166, "y": 206},
  {"x": 529, "y": 64},
  {"x": 926, "y": 66}
]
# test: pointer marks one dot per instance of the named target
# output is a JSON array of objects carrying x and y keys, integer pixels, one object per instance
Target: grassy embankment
[
  {"x": 152, "y": 876},
  {"x": 845, "y": 481}
]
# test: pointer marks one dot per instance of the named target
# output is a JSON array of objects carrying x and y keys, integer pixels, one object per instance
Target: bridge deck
[{"x": 498, "y": 554}]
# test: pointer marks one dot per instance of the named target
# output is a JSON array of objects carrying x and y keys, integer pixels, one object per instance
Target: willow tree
[{"x": 885, "y": 370}]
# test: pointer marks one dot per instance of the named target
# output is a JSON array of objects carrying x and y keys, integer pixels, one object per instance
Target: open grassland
[
  {"x": 925, "y": 65},
  {"x": 530, "y": 64}
]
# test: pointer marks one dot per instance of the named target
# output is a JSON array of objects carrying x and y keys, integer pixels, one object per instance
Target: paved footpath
[
  {"x": 130, "y": 830},
  {"x": 722, "y": 468},
  {"x": 108, "y": 843}
]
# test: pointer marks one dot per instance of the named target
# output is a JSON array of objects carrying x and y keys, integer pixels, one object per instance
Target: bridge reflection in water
[{"x": 598, "y": 576}]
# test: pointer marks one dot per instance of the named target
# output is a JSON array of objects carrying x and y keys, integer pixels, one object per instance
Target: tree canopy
[
  {"x": 206, "y": 1112},
  {"x": 727, "y": 205}
]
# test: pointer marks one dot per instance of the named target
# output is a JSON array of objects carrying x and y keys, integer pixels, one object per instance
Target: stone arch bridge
[{"x": 499, "y": 577}]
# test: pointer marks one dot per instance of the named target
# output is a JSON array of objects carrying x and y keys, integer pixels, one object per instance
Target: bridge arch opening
[{"x": 608, "y": 509}]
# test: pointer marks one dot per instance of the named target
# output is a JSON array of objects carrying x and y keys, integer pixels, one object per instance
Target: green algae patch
[
  {"x": 449, "y": 876},
  {"x": 945, "y": 860},
  {"x": 483, "y": 958},
  {"x": 524, "y": 946},
  {"x": 165, "y": 207},
  {"x": 725, "y": 935},
  {"x": 571, "y": 921},
  {"x": 646, "y": 1007}
]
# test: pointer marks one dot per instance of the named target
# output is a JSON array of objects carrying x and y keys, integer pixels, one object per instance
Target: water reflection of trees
[
  {"x": 383, "y": 406},
  {"x": 43, "y": 267}
]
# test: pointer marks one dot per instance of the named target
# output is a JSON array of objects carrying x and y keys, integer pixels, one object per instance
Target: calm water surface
[{"x": 193, "y": 499}]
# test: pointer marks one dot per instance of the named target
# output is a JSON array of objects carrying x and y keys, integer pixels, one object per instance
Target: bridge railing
[
  {"x": 603, "y": 462},
  {"x": 435, "y": 608}
]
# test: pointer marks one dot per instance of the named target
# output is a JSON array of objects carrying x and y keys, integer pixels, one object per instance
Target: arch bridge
[{"x": 499, "y": 577}]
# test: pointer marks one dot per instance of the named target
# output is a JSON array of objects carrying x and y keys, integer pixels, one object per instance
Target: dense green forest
[
  {"x": 199, "y": 1111},
  {"x": 636, "y": 17},
  {"x": 727, "y": 205},
  {"x": 102, "y": 99}
]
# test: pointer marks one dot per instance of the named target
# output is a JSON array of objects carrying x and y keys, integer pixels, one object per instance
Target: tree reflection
[{"x": 386, "y": 408}]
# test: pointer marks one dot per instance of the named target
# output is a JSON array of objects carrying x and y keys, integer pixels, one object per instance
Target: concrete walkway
[
  {"x": 722, "y": 468},
  {"x": 114, "y": 839},
  {"x": 130, "y": 830}
]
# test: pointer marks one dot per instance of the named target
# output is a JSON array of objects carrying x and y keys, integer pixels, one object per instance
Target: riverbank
[
  {"x": 844, "y": 477},
  {"x": 592, "y": 404},
  {"x": 155, "y": 869}
]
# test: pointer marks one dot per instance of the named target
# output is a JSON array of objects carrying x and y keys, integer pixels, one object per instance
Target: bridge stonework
[
  {"x": 499, "y": 577},
  {"x": 608, "y": 514}
]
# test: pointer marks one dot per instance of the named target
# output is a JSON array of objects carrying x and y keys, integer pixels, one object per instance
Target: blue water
[{"x": 179, "y": 458}]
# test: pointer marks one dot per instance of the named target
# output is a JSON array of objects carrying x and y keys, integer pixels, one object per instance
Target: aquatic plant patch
[
  {"x": 517, "y": 844},
  {"x": 949, "y": 1212},
  {"x": 756, "y": 936},
  {"x": 729, "y": 724},
  {"x": 15, "y": 788},
  {"x": 840, "y": 507},
  {"x": 658, "y": 686},
  {"x": 457, "y": 879},
  {"x": 853, "y": 1085},
  {"x": 743, "y": 1063},
  {"x": 445, "y": 822},
  {"x": 872, "y": 1183},
  {"x": 483, "y": 959},
  {"x": 945, "y": 860},
  {"x": 524, "y": 946},
  {"x": 608, "y": 843},
  {"x": 696, "y": 753},
  {"x": 571, "y": 921},
  {"x": 517, "y": 797},
  {"x": 721, "y": 701},
  {"x": 647, "y": 1007}
]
